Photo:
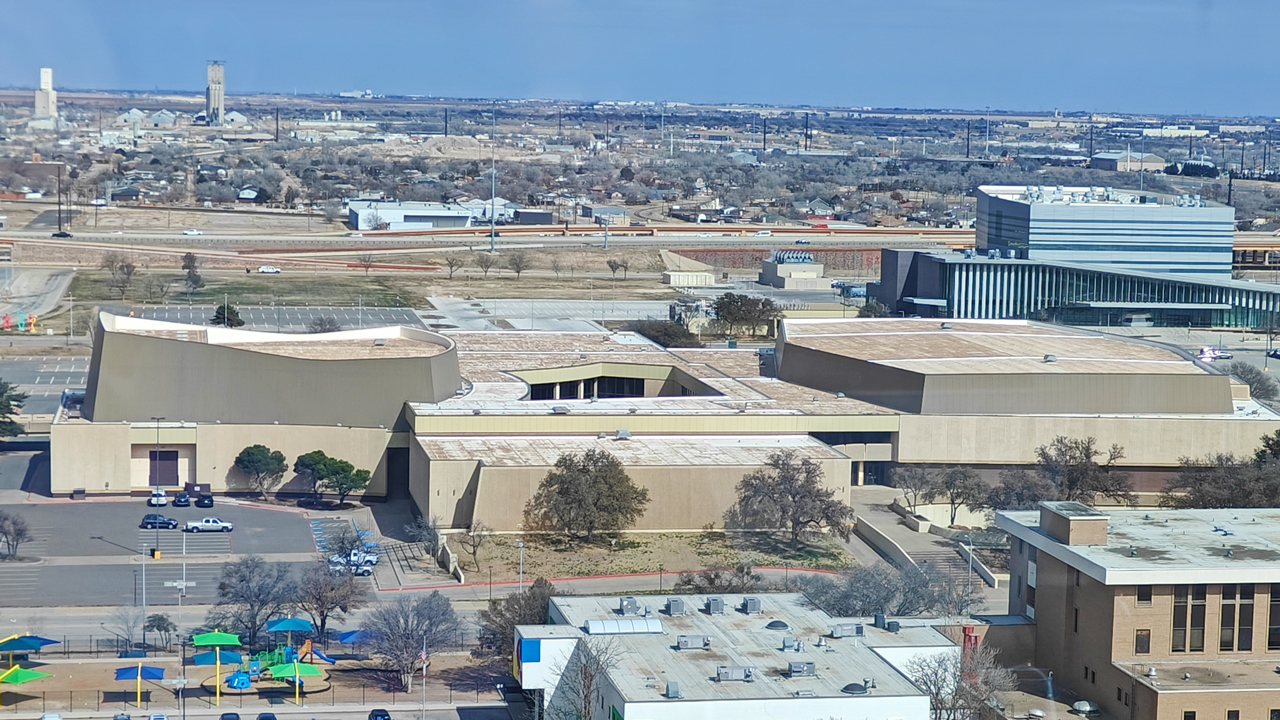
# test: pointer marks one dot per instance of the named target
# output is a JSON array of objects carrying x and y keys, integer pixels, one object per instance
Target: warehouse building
[
  {"x": 761, "y": 656},
  {"x": 1125, "y": 230},
  {"x": 1152, "y": 614},
  {"x": 465, "y": 424},
  {"x": 396, "y": 215}
]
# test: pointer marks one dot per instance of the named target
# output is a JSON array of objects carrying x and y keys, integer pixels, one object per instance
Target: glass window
[
  {"x": 1233, "y": 715},
  {"x": 1189, "y": 715},
  {"x": 1144, "y": 594},
  {"x": 1032, "y": 554},
  {"x": 1142, "y": 642},
  {"x": 1244, "y": 620},
  {"x": 1273, "y": 620},
  {"x": 1179, "y": 635},
  {"x": 1075, "y": 619},
  {"x": 1031, "y": 596}
]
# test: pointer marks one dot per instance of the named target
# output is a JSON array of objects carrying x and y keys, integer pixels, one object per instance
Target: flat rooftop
[
  {"x": 1084, "y": 195},
  {"x": 649, "y": 661},
  {"x": 673, "y": 450},
  {"x": 1222, "y": 675},
  {"x": 983, "y": 347},
  {"x": 366, "y": 343},
  {"x": 1165, "y": 547}
]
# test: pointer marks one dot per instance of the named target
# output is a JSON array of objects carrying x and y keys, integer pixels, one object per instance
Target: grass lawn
[
  {"x": 548, "y": 556},
  {"x": 292, "y": 288}
]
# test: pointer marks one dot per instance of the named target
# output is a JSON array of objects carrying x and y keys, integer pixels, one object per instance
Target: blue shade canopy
[
  {"x": 289, "y": 625},
  {"x": 25, "y": 643},
  {"x": 148, "y": 672},
  {"x": 354, "y": 636},
  {"x": 211, "y": 657}
]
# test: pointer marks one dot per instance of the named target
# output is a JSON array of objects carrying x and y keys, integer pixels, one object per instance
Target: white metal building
[
  {"x": 704, "y": 657},
  {"x": 396, "y": 215},
  {"x": 1126, "y": 230}
]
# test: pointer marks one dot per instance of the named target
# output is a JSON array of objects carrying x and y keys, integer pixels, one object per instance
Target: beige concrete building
[
  {"x": 1153, "y": 615},
  {"x": 466, "y": 424}
]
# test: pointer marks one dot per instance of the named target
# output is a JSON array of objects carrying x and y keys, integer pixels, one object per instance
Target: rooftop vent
[
  {"x": 739, "y": 673},
  {"x": 632, "y": 411},
  {"x": 946, "y": 326},
  {"x": 1050, "y": 358},
  {"x": 893, "y": 626},
  {"x": 802, "y": 669},
  {"x": 1151, "y": 672},
  {"x": 622, "y": 435},
  {"x": 777, "y": 625},
  {"x": 751, "y": 605},
  {"x": 379, "y": 342},
  {"x": 1085, "y": 708},
  {"x": 673, "y": 690},
  {"x": 560, "y": 409},
  {"x": 476, "y": 411}
]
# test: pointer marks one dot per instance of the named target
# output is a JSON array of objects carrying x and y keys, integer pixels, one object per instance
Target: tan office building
[{"x": 1153, "y": 614}]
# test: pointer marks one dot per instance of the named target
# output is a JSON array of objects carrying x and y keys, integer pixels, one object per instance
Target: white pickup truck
[
  {"x": 209, "y": 524},
  {"x": 357, "y": 558}
]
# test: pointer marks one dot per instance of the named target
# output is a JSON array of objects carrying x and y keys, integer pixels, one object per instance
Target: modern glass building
[
  {"x": 970, "y": 285},
  {"x": 1128, "y": 230}
]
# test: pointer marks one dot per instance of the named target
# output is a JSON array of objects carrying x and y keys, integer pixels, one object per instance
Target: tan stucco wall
[
  {"x": 1076, "y": 393},
  {"x": 582, "y": 422},
  {"x": 98, "y": 456},
  {"x": 680, "y": 498},
  {"x": 1012, "y": 439}
]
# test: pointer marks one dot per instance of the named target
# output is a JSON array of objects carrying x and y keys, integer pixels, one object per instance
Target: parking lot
[
  {"x": 288, "y": 319},
  {"x": 94, "y": 552},
  {"x": 44, "y": 378}
]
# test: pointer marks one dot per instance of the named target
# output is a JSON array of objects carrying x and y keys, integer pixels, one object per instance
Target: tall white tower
[
  {"x": 46, "y": 96},
  {"x": 214, "y": 111}
]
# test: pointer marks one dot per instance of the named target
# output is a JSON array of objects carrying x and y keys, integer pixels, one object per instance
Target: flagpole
[{"x": 139, "y": 686}]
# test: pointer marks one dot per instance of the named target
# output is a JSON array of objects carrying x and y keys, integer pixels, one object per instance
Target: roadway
[{"x": 43, "y": 378}]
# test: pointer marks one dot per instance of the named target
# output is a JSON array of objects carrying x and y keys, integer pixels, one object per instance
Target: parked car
[
  {"x": 209, "y": 524},
  {"x": 159, "y": 498},
  {"x": 121, "y": 716},
  {"x": 51, "y": 716},
  {"x": 341, "y": 568},
  {"x": 357, "y": 557},
  {"x": 1274, "y": 354},
  {"x": 266, "y": 716},
  {"x": 157, "y": 716},
  {"x": 151, "y": 521},
  {"x": 229, "y": 716},
  {"x": 804, "y": 241},
  {"x": 353, "y": 234},
  {"x": 1209, "y": 353},
  {"x": 192, "y": 231},
  {"x": 268, "y": 270},
  {"x": 64, "y": 235},
  {"x": 764, "y": 233},
  {"x": 379, "y": 714},
  {"x": 182, "y": 500},
  {"x": 204, "y": 501}
]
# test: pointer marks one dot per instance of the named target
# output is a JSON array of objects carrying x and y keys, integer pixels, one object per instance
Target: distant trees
[
  {"x": 518, "y": 262},
  {"x": 324, "y": 473},
  {"x": 960, "y": 685},
  {"x": 1261, "y": 385},
  {"x": 454, "y": 262},
  {"x": 873, "y": 309},
  {"x": 1020, "y": 489},
  {"x": 485, "y": 261},
  {"x": 1073, "y": 469},
  {"x": 263, "y": 466},
  {"x": 1227, "y": 481},
  {"x": 528, "y": 607},
  {"x": 961, "y": 487},
  {"x": 586, "y": 494},
  {"x": 787, "y": 494},
  {"x": 227, "y": 316},
  {"x": 324, "y": 324},
  {"x": 121, "y": 272},
  {"x": 738, "y": 579},
  {"x": 666, "y": 333},
  {"x": 746, "y": 312},
  {"x": 865, "y": 590}
]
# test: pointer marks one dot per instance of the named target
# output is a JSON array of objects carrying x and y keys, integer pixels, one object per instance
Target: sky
[{"x": 1193, "y": 57}]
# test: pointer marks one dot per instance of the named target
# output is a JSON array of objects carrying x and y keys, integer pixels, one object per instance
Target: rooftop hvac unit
[
  {"x": 739, "y": 673},
  {"x": 893, "y": 626},
  {"x": 673, "y": 689},
  {"x": 628, "y": 606},
  {"x": 623, "y": 434},
  {"x": 715, "y": 606},
  {"x": 878, "y": 620},
  {"x": 802, "y": 669},
  {"x": 675, "y": 606},
  {"x": 1011, "y": 254},
  {"x": 992, "y": 254},
  {"x": 560, "y": 409},
  {"x": 693, "y": 642},
  {"x": 844, "y": 630},
  {"x": 751, "y": 605}
]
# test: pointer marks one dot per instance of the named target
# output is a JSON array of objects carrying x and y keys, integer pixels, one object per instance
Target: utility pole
[
  {"x": 277, "y": 124},
  {"x": 59, "y": 199},
  {"x": 493, "y": 178},
  {"x": 807, "y": 136},
  {"x": 446, "y": 122},
  {"x": 559, "y": 125},
  {"x": 1142, "y": 165},
  {"x": 1090, "y": 141},
  {"x": 764, "y": 133},
  {"x": 988, "y": 146},
  {"x": 967, "y": 124}
]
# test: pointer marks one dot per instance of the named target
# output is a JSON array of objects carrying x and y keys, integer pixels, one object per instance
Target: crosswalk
[{"x": 19, "y": 585}]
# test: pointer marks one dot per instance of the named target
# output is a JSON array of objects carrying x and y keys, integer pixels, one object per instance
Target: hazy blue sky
[{"x": 1172, "y": 56}]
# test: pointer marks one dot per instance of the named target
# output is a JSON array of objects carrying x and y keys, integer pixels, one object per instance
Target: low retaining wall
[
  {"x": 983, "y": 571},
  {"x": 884, "y": 544}
]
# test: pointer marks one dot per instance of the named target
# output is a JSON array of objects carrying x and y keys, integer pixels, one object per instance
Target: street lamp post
[{"x": 520, "y": 545}]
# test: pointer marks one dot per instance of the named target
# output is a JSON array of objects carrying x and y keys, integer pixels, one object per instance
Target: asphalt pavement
[
  {"x": 287, "y": 319},
  {"x": 43, "y": 378}
]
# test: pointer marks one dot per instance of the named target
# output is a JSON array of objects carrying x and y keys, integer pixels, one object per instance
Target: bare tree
[
  {"x": 556, "y": 266},
  {"x": 518, "y": 262},
  {"x": 366, "y": 261},
  {"x": 528, "y": 607},
  {"x": 126, "y": 623},
  {"x": 475, "y": 538},
  {"x": 739, "y": 579},
  {"x": 960, "y": 681},
  {"x": 328, "y": 595},
  {"x": 625, "y": 264},
  {"x": 161, "y": 624},
  {"x": 406, "y": 626},
  {"x": 918, "y": 485},
  {"x": 583, "y": 677},
  {"x": 14, "y": 531},
  {"x": 454, "y": 262},
  {"x": 155, "y": 289},
  {"x": 324, "y": 324},
  {"x": 375, "y": 221},
  {"x": 250, "y": 592},
  {"x": 332, "y": 210},
  {"x": 485, "y": 261},
  {"x": 614, "y": 266},
  {"x": 426, "y": 531}
]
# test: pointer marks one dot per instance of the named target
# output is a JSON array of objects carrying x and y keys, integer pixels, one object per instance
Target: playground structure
[{"x": 285, "y": 664}]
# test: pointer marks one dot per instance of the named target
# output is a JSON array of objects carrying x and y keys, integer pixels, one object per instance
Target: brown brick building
[{"x": 1153, "y": 614}]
